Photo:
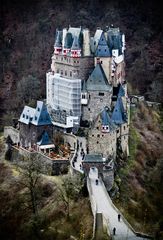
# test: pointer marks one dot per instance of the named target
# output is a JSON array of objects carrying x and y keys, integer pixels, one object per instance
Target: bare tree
[
  {"x": 30, "y": 170},
  {"x": 70, "y": 190}
]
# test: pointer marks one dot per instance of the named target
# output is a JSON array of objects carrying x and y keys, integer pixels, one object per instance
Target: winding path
[{"x": 103, "y": 202}]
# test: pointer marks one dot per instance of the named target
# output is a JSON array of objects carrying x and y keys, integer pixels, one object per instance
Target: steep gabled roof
[
  {"x": 41, "y": 116},
  {"x": 97, "y": 81},
  {"x": 118, "y": 115},
  {"x": 68, "y": 40},
  {"x": 45, "y": 140},
  {"x": 121, "y": 92},
  {"x": 102, "y": 49},
  {"x": 58, "y": 41},
  {"x": 27, "y": 115},
  {"x": 106, "y": 120},
  {"x": 114, "y": 38},
  {"x": 37, "y": 116},
  {"x": 75, "y": 44}
]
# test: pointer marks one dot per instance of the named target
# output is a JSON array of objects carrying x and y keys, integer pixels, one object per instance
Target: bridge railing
[{"x": 93, "y": 204}]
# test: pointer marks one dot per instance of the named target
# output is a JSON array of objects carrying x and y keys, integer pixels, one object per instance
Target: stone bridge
[{"x": 101, "y": 203}]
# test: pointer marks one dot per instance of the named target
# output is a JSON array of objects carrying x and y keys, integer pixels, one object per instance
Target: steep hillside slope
[
  {"x": 28, "y": 29},
  {"x": 140, "y": 179}
]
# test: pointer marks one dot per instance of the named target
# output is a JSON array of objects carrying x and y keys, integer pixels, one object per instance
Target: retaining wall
[
  {"x": 54, "y": 166},
  {"x": 13, "y": 133}
]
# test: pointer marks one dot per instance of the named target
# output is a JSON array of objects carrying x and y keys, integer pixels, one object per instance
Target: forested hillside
[
  {"x": 26, "y": 44},
  {"x": 28, "y": 29}
]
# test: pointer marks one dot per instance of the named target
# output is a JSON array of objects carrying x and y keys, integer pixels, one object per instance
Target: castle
[
  {"x": 86, "y": 86},
  {"x": 85, "y": 89}
]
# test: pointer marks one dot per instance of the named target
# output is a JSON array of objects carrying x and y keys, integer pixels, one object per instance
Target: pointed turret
[
  {"x": 67, "y": 43},
  {"x": 102, "y": 48},
  {"x": 98, "y": 81},
  {"x": 75, "y": 49},
  {"x": 118, "y": 115},
  {"x": 121, "y": 92},
  {"x": 107, "y": 124},
  {"x": 58, "y": 43}
]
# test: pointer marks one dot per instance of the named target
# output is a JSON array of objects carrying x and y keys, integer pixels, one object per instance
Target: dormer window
[
  {"x": 35, "y": 118},
  {"x": 26, "y": 116},
  {"x": 38, "y": 109},
  {"x": 23, "y": 115}
]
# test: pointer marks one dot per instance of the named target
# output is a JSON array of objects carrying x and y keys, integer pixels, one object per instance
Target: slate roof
[
  {"x": 68, "y": 40},
  {"x": 121, "y": 92},
  {"x": 102, "y": 49},
  {"x": 106, "y": 120},
  {"x": 114, "y": 39},
  {"x": 58, "y": 41},
  {"x": 97, "y": 81},
  {"x": 27, "y": 115},
  {"x": 93, "y": 158},
  {"x": 75, "y": 44},
  {"x": 118, "y": 115},
  {"x": 37, "y": 116},
  {"x": 45, "y": 140}
]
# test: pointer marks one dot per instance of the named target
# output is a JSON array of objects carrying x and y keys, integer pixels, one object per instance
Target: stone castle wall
[
  {"x": 96, "y": 104},
  {"x": 30, "y": 133},
  {"x": 100, "y": 142},
  {"x": 71, "y": 68},
  {"x": 124, "y": 134},
  {"x": 55, "y": 167}
]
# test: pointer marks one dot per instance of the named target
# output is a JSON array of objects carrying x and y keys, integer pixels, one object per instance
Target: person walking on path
[
  {"x": 114, "y": 231},
  {"x": 119, "y": 217}
]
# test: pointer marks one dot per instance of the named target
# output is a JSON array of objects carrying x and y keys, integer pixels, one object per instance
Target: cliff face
[{"x": 28, "y": 29}]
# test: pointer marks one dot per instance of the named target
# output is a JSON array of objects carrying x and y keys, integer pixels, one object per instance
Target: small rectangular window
[
  {"x": 98, "y": 135},
  {"x": 101, "y": 94}
]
